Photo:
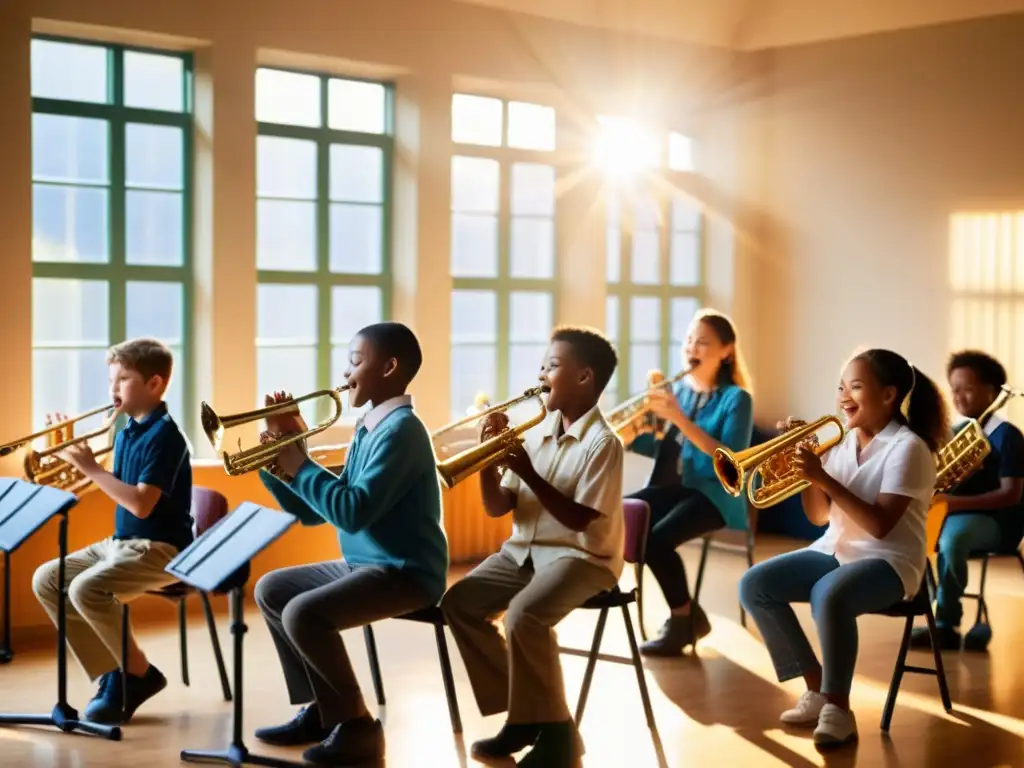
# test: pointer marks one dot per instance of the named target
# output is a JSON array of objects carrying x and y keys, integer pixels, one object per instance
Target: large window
[
  {"x": 654, "y": 270},
  {"x": 111, "y": 202},
  {"x": 503, "y": 260},
  {"x": 323, "y": 186}
]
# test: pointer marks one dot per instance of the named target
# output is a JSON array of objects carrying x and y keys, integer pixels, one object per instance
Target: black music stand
[
  {"x": 214, "y": 563},
  {"x": 24, "y": 509},
  {"x": 6, "y": 652}
]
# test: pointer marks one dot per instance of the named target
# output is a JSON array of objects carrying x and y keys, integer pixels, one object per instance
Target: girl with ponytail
[{"x": 873, "y": 490}]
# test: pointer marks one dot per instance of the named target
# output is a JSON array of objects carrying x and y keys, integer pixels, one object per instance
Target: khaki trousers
[
  {"x": 100, "y": 579},
  {"x": 524, "y": 674}
]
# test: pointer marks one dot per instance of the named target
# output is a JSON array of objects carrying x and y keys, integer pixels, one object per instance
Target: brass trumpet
[
  {"x": 771, "y": 462},
  {"x": 633, "y": 418},
  {"x": 472, "y": 460},
  {"x": 264, "y": 455},
  {"x": 45, "y": 467}
]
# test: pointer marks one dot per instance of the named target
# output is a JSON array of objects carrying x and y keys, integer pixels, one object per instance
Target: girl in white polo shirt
[{"x": 873, "y": 490}]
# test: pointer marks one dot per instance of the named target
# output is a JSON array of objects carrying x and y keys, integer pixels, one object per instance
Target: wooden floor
[{"x": 720, "y": 708}]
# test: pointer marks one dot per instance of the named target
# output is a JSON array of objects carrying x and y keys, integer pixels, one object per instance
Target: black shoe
[
  {"x": 558, "y": 746},
  {"x": 677, "y": 633},
  {"x": 105, "y": 706},
  {"x": 304, "y": 728},
  {"x": 978, "y": 637},
  {"x": 948, "y": 638},
  {"x": 355, "y": 742},
  {"x": 141, "y": 689},
  {"x": 509, "y": 740}
]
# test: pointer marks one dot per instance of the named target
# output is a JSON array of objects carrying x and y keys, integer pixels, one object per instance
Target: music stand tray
[
  {"x": 24, "y": 509},
  {"x": 210, "y": 564}
]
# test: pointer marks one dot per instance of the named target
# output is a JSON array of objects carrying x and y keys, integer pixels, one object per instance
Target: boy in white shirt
[
  {"x": 564, "y": 490},
  {"x": 873, "y": 490}
]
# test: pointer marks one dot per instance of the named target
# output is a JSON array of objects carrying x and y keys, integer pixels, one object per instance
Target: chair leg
[
  {"x": 982, "y": 615},
  {"x": 750, "y": 564},
  {"x": 183, "y": 638},
  {"x": 449, "y": 680},
  {"x": 211, "y": 624},
  {"x": 897, "y": 674},
  {"x": 700, "y": 568},
  {"x": 638, "y": 570},
  {"x": 371, "y": 652},
  {"x": 124, "y": 658},
  {"x": 940, "y": 670},
  {"x": 639, "y": 667},
  {"x": 595, "y": 646}
]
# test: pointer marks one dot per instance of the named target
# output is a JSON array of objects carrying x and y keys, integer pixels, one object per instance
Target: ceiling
[{"x": 757, "y": 24}]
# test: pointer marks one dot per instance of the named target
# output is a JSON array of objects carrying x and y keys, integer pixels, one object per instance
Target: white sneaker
[
  {"x": 806, "y": 711},
  {"x": 835, "y": 727}
]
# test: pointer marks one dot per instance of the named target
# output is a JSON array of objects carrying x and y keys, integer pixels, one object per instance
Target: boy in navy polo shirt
[
  {"x": 152, "y": 487},
  {"x": 386, "y": 507},
  {"x": 985, "y": 511}
]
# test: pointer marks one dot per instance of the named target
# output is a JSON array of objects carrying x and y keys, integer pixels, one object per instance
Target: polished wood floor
[{"x": 719, "y": 708}]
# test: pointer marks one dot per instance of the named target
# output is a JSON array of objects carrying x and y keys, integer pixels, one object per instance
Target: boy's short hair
[
  {"x": 150, "y": 357},
  {"x": 398, "y": 341},
  {"x": 592, "y": 349},
  {"x": 985, "y": 367}
]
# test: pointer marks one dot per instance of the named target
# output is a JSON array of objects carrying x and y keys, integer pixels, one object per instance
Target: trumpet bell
[{"x": 770, "y": 462}]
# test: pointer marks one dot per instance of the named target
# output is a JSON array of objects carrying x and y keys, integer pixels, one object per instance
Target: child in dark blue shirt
[
  {"x": 985, "y": 511},
  {"x": 152, "y": 486},
  {"x": 386, "y": 507}
]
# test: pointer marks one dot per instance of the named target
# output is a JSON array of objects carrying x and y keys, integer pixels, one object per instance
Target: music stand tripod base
[
  {"x": 208, "y": 564},
  {"x": 24, "y": 509}
]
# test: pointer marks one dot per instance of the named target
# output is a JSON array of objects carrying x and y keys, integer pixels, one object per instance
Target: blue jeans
[
  {"x": 961, "y": 535},
  {"x": 838, "y": 594}
]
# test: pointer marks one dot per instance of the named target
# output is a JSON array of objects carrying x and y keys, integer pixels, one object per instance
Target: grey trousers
[
  {"x": 307, "y": 606},
  {"x": 521, "y": 673}
]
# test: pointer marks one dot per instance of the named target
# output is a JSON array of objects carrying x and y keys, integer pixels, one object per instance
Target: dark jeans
[{"x": 678, "y": 514}]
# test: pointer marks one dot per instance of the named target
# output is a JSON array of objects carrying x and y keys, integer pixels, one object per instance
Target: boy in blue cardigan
[{"x": 386, "y": 505}]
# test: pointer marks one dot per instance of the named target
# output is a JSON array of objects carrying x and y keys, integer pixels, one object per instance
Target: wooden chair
[{"x": 209, "y": 507}]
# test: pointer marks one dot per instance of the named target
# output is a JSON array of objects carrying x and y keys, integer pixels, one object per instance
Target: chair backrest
[
  {"x": 208, "y": 508},
  {"x": 637, "y": 515}
]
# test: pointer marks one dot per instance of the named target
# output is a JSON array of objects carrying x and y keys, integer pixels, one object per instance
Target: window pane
[
  {"x": 474, "y": 371},
  {"x": 645, "y": 318},
  {"x": 610, "y": 396},
  {"x": 474, "y": 245},
  {"x": 357, "y": 239},
  {"x": 680, "y": 152},
  {"x": 354, "y": 308},
  {"x": 153, "y": 156},
  {"x": 155, "y": 309},
  {"x": 524, "y": 366},
  {"x": 69, "y": 224},
  {"x": 71, "y": 312},
  {"x": 533, "y": 189},
  {"x": 357, "y": 174},
  {"x": 286, "y": 313},
  {"x": 533, "y": 248},
  {"x": 531, "y": 126},
  {"x": 645, "y": 268},
  {"x": 69, "y": 149},
  {"x": 69, "y": 71},
  {"x": 285, "y": 235},
  {"x": 530, "y": 317},
  {"x": 643, "y": 358},
  {"x": 174, "y": 396},
  {"x": 682, "y": 312},
  {"x": 154, "y": 228},
  {"x": 356, "y": 106},
  {"x": 68, "y": 381},
  {"x": 285, "y": 168},
  {"x": 152, "y": 81},
  {"x": 474, "y": 317},
  {"x": 685, "y": 214},
  {"x": 476, "y": 120},
  {"x": 291, "y": 369},
  {"x": 685, "y": 263},
  {"x": 611, "y": 317},
  {"x": 287, "y": 98},
  {"x": 646, "y": 213},
  {"x": 475, "y": 185},
  {"x": 613, "y": 254}
]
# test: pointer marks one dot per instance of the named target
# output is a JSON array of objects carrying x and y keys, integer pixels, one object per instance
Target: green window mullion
[
  {"x": 323, "y": 256},
  {"x": 188, "y": 277},
  {"x": 386, "y": 214},
  {"x": 117, "y": 201},
  {"x": 503, "y": 284},
  {"x": 504, "y": 299}
]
